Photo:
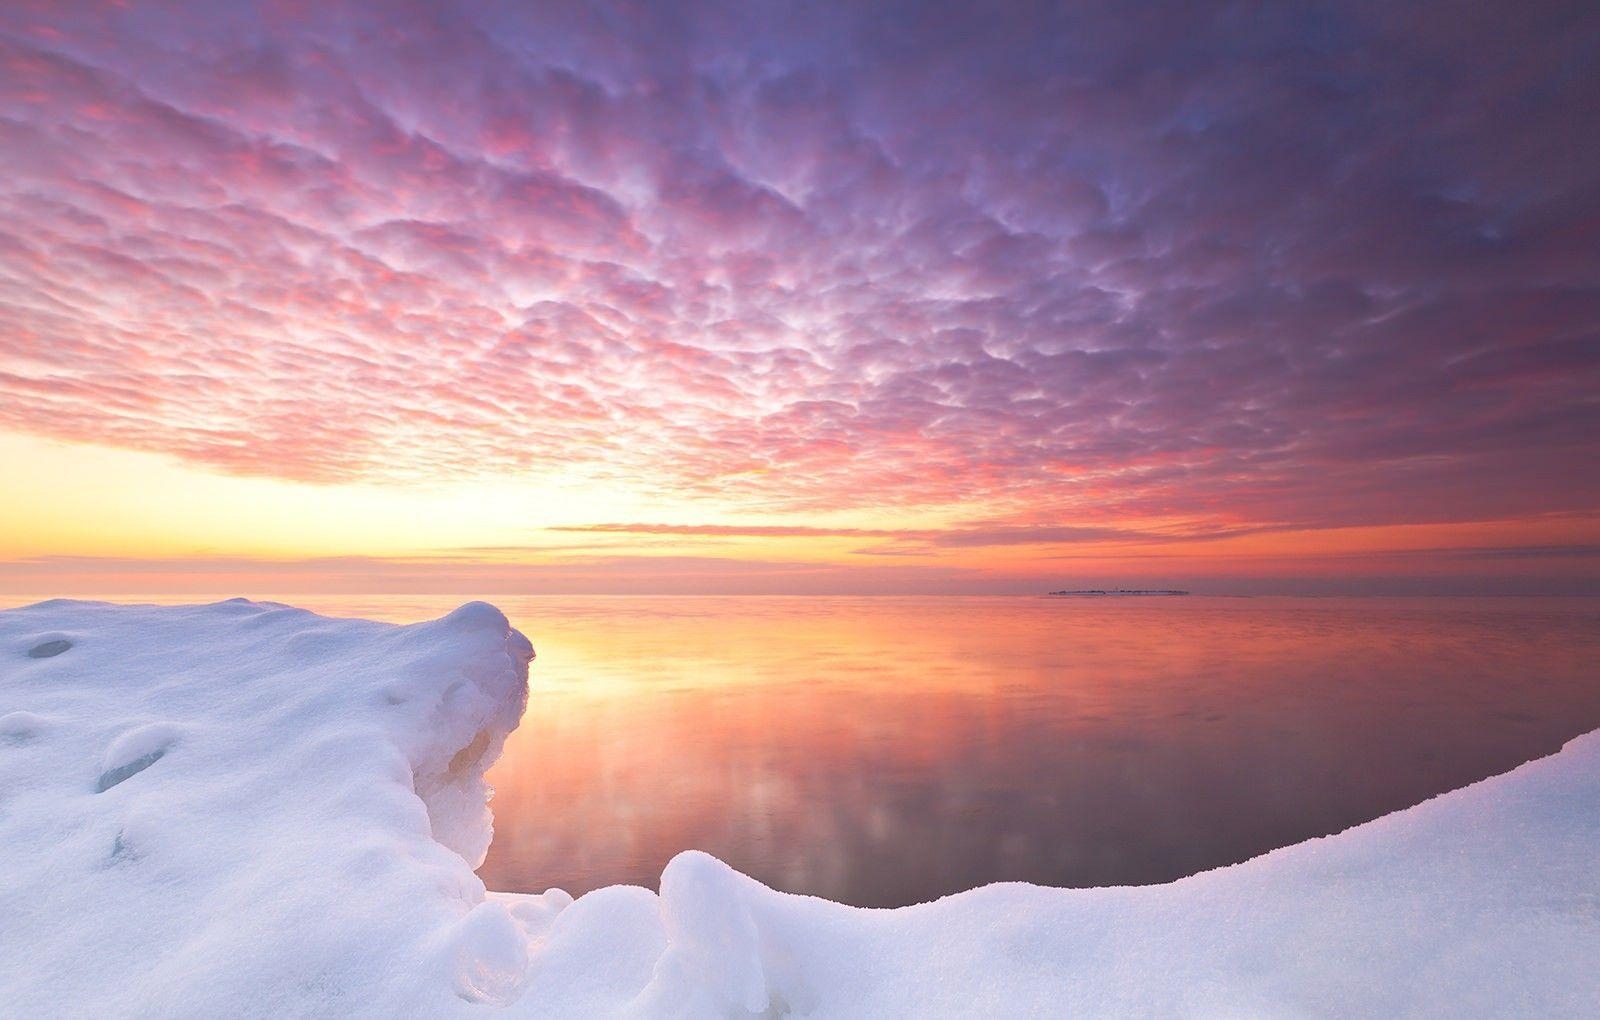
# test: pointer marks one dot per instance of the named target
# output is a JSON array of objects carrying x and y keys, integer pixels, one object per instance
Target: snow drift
[{"x": 246, "y": 809}]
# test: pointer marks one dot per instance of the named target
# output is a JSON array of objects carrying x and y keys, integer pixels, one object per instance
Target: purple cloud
[{"x": 1311, "y": 265}]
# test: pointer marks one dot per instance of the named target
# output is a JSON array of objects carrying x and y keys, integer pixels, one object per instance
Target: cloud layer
[{"x": 1310, "y": 265}]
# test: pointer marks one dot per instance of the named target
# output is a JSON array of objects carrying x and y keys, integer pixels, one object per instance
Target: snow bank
[{"x": 249, "y": 810}]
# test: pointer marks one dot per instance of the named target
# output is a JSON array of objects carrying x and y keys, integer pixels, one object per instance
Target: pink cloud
[{"x": 1242, "y": 277}]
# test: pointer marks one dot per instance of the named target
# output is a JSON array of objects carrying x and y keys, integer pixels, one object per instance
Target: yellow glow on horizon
[
  {"x": 101, "y": 501},
  {"x": 159, "y": 518},
  {"x": 88, "y": 500}
]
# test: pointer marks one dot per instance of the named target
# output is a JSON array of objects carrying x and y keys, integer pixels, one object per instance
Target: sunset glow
[{"x": 694, "y": 298}]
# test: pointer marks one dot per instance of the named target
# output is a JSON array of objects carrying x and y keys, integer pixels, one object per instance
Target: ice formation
[{"x": 245, "y": 809}]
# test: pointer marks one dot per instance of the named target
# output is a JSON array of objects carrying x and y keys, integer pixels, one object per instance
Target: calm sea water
[{"x": 884, "y": 751}]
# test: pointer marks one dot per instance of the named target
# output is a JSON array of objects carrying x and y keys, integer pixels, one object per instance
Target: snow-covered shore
[{"x": 246, "y": 809}]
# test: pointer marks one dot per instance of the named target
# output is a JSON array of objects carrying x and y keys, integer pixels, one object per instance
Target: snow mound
[{"x": 248, "y": 810}]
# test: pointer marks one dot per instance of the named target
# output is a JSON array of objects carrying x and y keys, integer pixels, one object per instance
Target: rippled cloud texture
[{"x": 1068, "y": 265}]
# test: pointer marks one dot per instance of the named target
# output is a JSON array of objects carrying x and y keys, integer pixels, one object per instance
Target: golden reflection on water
[
  {"x": 885, "y": 751},
  {"x": 888, "y": 750}
]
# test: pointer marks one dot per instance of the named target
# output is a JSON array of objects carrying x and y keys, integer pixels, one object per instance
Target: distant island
[{"x": 1122, "y": 591}]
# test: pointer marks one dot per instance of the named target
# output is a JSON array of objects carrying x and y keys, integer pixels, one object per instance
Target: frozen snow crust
[{"x": 245, "y": 809}]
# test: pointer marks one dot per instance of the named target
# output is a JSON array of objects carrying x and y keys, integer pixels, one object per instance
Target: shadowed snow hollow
[{"x": 245, "y": 809}]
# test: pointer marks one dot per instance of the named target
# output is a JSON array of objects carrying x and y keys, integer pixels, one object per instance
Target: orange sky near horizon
[{"x": 101, "y": 520}]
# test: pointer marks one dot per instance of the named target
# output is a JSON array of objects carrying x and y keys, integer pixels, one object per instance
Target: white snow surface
[{"x": 245, "y": 809}]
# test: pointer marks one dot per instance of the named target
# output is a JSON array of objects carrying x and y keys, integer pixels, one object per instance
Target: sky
[{"x": 753, "y": 297}]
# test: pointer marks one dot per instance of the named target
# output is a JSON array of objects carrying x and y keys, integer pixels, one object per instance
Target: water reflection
[
  {"x": 889, "y": 750},
  {"x": 886, "y": 751}
]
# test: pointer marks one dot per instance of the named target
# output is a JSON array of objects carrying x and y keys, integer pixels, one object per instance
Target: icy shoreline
[{"x": 248, "y": 809}]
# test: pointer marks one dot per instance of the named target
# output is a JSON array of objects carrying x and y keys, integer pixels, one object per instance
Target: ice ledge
[
  {"x": 199, "y": 802},
  {"x": 247, "y": 809}
]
